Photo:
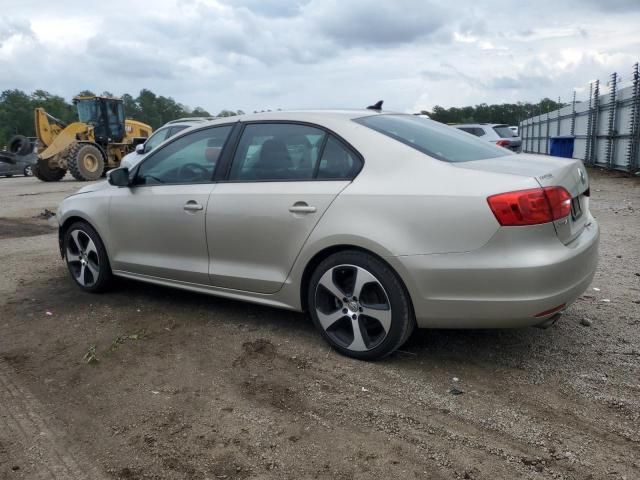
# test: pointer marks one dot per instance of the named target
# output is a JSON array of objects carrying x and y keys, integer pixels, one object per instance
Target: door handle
[
  {"x": 192, "y": 206},
  {"x": 301, "y": 207}
]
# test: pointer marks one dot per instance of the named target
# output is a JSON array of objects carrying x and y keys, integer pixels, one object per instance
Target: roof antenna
[{"x": 376, "y": 106}]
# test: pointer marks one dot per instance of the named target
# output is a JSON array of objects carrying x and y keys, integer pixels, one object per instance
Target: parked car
[
  {"x": 371, "y": 222},
  {"x": 497, "y": 133},
  {"x": 168, "y": 130},
  {"x": 23, "y": 166}
]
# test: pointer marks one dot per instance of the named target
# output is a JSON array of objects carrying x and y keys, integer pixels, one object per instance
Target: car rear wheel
[
  {"x": 359, "y": 305},
  {"x": 86, "y": 258},
  {"x": 28, "y": 171}
]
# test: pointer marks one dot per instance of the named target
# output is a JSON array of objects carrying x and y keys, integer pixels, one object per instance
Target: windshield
[
  {"x": 433, "y": 138},
  {"x": 88, "y": 111},
  {"x": 504, "y": 131}
]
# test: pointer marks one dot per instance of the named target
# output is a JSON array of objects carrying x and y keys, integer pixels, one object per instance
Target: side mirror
[
  {"x": 140, "y": 148},
  {"x": 119, "y": 177}
]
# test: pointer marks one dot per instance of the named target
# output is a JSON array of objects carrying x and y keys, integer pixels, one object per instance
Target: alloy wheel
[
  {"x": 82, "y": 258},
  {"x": 353, "y": 307}
]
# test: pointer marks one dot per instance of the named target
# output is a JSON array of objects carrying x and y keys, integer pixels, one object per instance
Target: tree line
[
  {"x": 16, "y": 110},
  {"x": 509, "y": 113}
]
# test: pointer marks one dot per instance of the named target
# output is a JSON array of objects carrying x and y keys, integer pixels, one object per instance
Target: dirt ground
[{"x": 151, "y": 383}]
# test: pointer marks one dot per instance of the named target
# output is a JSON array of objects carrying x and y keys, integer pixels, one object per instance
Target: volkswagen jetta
[{"x": 372, "y": 222}]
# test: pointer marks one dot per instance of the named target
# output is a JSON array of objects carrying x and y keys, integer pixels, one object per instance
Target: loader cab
[{"x": 106, "y": 115}]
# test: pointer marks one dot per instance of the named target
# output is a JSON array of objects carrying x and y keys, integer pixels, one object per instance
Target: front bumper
[{"x": 519, "y": 273}]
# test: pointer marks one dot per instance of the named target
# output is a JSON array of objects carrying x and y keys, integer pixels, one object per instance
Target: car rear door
[
  {"x": 157, "y": 226},
  {"x": 280, "y": 182}
]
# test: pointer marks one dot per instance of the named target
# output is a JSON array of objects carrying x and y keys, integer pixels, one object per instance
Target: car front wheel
[
  {"x": 359, "y": 305},
  {"x": 86, "y": 258}
]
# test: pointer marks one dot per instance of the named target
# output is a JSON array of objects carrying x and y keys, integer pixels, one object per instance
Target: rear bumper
[{"x": 520, "y": 273}]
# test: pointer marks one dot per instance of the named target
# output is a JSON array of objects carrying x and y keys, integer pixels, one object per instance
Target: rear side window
[
  {"x": 504, "y": 131},
  {"x": 338, "y": 162},
  {"x": 276, "y": 151},
  {"x": 433, "y": 138},
  {"x": 478, "y": 132}
]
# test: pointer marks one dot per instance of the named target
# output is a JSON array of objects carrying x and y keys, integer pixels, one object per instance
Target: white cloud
[{"x": 251, "y": 54}]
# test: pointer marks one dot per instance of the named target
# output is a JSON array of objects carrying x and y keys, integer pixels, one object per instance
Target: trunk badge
[{"x": 582, "y": 176}]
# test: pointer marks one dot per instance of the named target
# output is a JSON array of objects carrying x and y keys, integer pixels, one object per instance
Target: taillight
[
  {"x": 503, "y": 143},
  {"x": 530, "y": 207}
]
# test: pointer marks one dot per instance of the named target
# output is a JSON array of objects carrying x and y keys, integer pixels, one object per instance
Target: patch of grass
[
  {"x": 120, "y": 339},
  {"x": 90, "y": 357}
]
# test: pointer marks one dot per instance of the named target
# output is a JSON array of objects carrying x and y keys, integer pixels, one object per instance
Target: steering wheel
[{"x": 192, "y": 171}]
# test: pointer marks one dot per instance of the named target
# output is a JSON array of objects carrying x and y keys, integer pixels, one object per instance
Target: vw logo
[{"x": 582, "y": 176}]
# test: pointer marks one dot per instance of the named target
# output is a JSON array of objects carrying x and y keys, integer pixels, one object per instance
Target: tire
[
  {"x": 86, "y": 258},
  {"x": 44, "y": 172},
  {"x": 20, "y": 145},
  {"x": 28, "y": 171},
  {"x": 85, "y": 162},
  {"x": 366, "y": 327}
]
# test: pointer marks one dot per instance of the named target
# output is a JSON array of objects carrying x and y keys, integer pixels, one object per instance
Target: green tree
[
  {"x": 86, "y": 93},
  {"x": 509, "y": 113},
  {"x": 16, "y": 110},
  {"x": 226, "y": 113},
  {"x": 149, "y": 113},
  {"x": 131, "y": 108},
  {"x": 16, "y": 115},
  {"x": 200, "y": 112},
  {"x": 54, "y": 105}
]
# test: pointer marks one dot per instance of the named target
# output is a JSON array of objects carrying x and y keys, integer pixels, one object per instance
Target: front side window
[
  {"x": 88, "y": 111},
  {"x": 176, "y": 129},
  {"x": 277, "y": 151},
  {"x": 433, "y": 138},
  {"x": 156, "y": 139},
  {"x": 189, "y": 159}
]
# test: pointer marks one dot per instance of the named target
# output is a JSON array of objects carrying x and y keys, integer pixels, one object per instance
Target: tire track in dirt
[
  {"x": 25, "y": 419},
  {"x": 422, "y": 419},
  {"x": 447, "y": 435}
]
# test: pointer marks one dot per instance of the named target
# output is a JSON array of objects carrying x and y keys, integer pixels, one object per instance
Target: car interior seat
[{"x": 274, "y": 161}]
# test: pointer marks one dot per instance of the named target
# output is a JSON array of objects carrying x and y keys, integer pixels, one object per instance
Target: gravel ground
[{"x": 186, "y": 386}]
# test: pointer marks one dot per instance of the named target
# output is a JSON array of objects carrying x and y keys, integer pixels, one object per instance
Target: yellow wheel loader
[{"x": 88, "y": 147}]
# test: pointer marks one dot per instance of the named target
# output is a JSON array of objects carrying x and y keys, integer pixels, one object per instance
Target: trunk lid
[{"x": 547, "y": 171}]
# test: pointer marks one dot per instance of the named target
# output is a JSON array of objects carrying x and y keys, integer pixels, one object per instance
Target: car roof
[
  {"x": 190, "y": 120},
  {"x": 300, "y": 115},
  {"x": 479, "y": 125},
  {"x": 278, "y": 115}
]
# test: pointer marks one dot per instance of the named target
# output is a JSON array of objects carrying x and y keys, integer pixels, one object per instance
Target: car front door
[
  {"x": 280, "y": 181},
  {"x": 158, "y": 224}
]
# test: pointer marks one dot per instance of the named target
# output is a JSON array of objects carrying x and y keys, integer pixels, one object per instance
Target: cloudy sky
[{"x": 258, "y": 54}]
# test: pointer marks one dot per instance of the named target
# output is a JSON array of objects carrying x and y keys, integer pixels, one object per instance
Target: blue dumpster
[{"x": 561, "y": 146}]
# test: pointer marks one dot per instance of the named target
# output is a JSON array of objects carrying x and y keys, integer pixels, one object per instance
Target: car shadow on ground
[{"x": 502, "y": 347}]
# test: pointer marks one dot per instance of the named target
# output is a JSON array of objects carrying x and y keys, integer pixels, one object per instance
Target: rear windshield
[
  {"x": 433, "y": 138},
  {"x": 504, "y": 131}
]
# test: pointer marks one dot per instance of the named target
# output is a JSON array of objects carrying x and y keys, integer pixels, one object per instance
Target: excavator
[{"x": 89, "y": 147}]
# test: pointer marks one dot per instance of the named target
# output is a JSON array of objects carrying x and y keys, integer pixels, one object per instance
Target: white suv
[
  {"x": 498, "y": 133},
  {"x": 168, "y": 130}
]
